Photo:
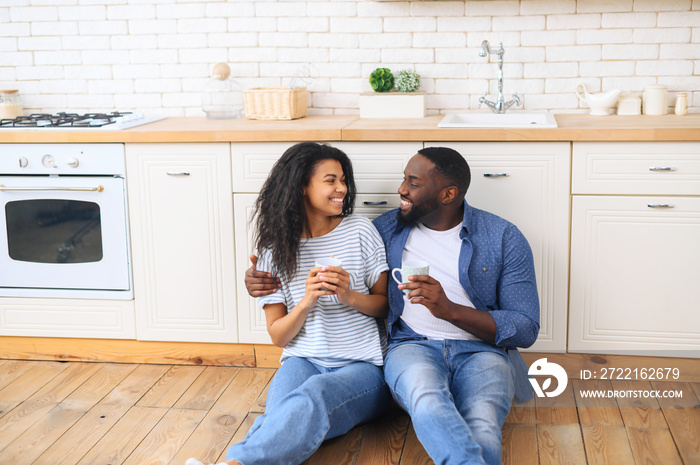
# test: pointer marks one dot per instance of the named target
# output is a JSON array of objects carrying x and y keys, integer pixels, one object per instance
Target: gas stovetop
[{"x": 114, "y": 121}]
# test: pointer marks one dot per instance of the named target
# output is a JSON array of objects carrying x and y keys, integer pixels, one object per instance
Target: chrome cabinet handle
[
  {"x": 375, "y": 204},
  {"x": 660, "y": 205},
  {"x": 178, "y": 173},
  {"x": 496, "y": 175},
  {"x": 662, "y": 168},
  {"x": 99, "y": 188}
]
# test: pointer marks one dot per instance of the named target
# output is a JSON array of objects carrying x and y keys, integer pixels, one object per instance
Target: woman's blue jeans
[
  {"x": 307, "y": 404},
  {"x": 458, "y": 394}
]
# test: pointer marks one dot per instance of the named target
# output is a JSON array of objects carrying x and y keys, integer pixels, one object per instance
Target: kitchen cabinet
[
  {"x": 378, "y": 169},
  {"x": 635, "y": 248},
  {"x": 181, "y": 235},
  {"x": 527, "y": 183}
]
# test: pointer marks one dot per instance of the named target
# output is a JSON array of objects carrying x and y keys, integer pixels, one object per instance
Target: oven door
[{"x": 63, "y": 232}]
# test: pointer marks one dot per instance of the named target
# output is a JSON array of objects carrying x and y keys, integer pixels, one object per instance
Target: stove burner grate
[{"x": 62, "y": 119}]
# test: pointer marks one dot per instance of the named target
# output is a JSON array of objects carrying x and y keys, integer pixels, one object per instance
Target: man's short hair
[{"x": 450, "y": 164}]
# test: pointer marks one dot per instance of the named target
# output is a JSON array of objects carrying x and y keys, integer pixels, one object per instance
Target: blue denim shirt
[{"x": 496, "y": 270}]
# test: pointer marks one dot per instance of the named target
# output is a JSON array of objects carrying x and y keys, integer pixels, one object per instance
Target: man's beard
[{"x": 416, "y": 213}]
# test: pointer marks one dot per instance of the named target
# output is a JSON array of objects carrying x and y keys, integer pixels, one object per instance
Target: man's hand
[
  {"x": 260, "y": 283},
  {"x": 428, "y": 291}
]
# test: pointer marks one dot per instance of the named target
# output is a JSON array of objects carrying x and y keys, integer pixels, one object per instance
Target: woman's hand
[
  {"x": 338, "y": 281},
  {"x": 373, "y": 304},
  {"x": 314, "y": 288},
  {"x": 283, "y": 326}
]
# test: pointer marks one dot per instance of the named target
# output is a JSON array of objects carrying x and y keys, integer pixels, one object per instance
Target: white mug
[
  {"x": 328, "y": 261},
  {"x": 410, "y": 268}
]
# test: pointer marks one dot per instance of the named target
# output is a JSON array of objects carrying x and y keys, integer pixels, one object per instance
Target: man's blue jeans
[
  {"x": 307, "y": 404},
  {"x": 458, "y": 394}
]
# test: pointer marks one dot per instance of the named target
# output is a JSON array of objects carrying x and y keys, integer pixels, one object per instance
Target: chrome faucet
[{"x": 499, "y": 106}]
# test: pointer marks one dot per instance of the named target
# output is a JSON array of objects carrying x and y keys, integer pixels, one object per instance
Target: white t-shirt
[
  {"x": 441, "y": 250},
  {"x": 335, "y": 335}
]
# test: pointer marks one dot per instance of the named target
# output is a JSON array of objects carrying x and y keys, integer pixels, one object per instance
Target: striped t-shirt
[{"x": 335, "y": 335}]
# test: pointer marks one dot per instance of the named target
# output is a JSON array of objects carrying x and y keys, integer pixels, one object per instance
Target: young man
[{"x": 448, "y": 362}]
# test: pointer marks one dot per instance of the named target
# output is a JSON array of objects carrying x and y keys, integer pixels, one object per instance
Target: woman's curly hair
[{"x": 280, "y": 216}]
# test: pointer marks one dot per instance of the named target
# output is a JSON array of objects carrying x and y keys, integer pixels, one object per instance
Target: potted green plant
[
  {"x": 406, "y": 102},
  {"x": 381, "y": 80},
  {"x": 408, "y": 81}
]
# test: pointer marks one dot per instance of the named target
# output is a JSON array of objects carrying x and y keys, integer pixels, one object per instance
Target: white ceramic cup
[
  {"x": 410, "y": 268},
  {"x": 328, "y": 261}
]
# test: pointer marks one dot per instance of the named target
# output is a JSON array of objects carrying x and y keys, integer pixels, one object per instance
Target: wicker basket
[{"x": 275, "y": 103}]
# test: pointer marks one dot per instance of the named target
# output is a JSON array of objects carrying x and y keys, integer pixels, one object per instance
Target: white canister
[
  {"x": 10, "y": 104},
  {"x": 682, "y": 104},
  {"x": 655, "y": 100},
  {"x": 629, "y": 104}
]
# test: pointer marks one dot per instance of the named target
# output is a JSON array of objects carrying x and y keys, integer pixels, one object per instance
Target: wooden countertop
[
  {"x": 571, "y": 128},
  {"x": 578, "y": 127},
  {"x": 198, "y": 129}
]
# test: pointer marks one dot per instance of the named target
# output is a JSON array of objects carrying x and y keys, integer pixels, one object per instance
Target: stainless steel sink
[{"x": 513, "y": 119}]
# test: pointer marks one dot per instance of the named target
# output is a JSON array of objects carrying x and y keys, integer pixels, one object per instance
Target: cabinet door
[
  {"x": 182, "y": 229},
  {"x": 251, "y": 318},
  {"x": 527, "y": 183},
  {"x": 635, "y": 264}
]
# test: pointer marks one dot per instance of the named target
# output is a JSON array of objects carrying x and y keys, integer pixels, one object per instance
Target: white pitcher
[{"x": 600, "y": 103}]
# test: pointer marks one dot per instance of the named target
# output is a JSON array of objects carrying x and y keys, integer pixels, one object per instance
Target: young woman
[{"x": 329, "y": 320}]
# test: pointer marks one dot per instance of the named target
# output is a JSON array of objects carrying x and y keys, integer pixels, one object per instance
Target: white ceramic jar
[
  {"x": 682, "y": 104},
  {"x": 630, "y": 104},
  {"x": 655, "y": 100},
  {"x": 10, "y": 104}
]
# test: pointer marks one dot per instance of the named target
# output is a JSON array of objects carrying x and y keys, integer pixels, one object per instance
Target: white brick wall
[{"x": 155, "y": 55}]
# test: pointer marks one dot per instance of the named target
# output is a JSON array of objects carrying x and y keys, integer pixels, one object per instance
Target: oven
[{"x": 63, "y": 221}]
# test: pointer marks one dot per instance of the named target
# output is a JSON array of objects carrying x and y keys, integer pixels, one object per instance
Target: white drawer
[
  {"x": 378, "y": 166},
  {"x": 658, "y": 168},
  {"x": 373, "y": 205}
]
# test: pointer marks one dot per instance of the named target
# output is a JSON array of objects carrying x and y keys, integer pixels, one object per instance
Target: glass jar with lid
[
  {"x": 10, "y": 104},
  {"x": 222, "y": 97}
]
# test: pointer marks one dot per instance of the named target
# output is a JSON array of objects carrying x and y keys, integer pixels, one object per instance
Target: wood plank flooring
[{"x": 78, "y": 413}]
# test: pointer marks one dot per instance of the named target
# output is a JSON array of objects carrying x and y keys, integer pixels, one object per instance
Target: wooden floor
[{"x": 107, "y": 413}]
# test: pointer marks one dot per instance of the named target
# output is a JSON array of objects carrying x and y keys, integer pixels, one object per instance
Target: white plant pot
[{"x": 392, "y": 105}]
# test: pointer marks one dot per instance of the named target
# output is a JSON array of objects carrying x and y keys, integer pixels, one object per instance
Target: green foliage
[
  {"x": 407, "y": 81},
  {"x": 381, "y": 80}
]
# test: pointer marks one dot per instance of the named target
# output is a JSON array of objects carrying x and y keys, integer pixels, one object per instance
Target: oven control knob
[
  {"x": 48, "y": 161},
  {"x": 23, "y": 162},
  {"x": 73, "y": 163}
]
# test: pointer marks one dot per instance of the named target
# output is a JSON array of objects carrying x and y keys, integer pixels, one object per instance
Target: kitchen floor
[{"x": 108, "y": 413}]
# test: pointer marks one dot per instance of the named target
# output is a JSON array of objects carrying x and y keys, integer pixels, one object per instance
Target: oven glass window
[{"x": 54, "y": 231}]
